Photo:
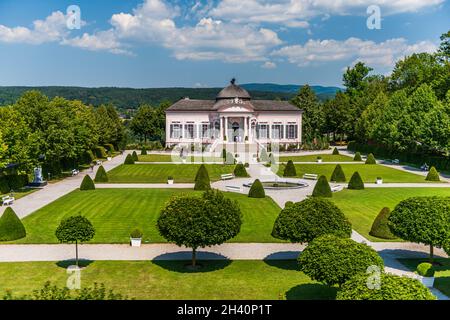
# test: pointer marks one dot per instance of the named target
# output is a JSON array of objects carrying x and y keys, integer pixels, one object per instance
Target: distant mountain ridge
[{"x": 288, "y": 88}]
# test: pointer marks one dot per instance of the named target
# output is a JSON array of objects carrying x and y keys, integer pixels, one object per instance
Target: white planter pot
[
  {"x": 136, "y": 242},
  {"x": 379, "y": 181},
  {"x": 319, "y": 160},
  {"x": 169, "y": 181},
  {"x": 427, "y": 281}
]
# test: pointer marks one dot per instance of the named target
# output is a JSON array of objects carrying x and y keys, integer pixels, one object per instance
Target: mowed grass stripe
[{"x": 313, "y": 158}]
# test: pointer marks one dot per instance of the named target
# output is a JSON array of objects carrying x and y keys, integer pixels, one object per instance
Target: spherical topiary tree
[
  {"x": 129, "y": 159},
  {"x": 135, "y": 156},
  {"x": 384, "y": 286},
  {"x": 380, "y": 227},
  {"x": 87, "y": 183},
  {"x": 357, "y": 157},
  {"x": 356, "y": 182},
  {"x": 338, "y": 174},
  {"x": 256, "y": 190},
  {"x": 306, "y": 220},
  {"x": 101, "y": 175},
  {"x": 75, "y": 229},
  {"x": 333, "y": 260},
  {"x": 422, "y": 220},
  {"x": 202, "y": 181},
  {"x": 143, "y": 151},
  {"x": 289, "y": 170},
  {"x": 11, "y": 227},
  {"x": 433, "y": 175},
  {"x": 371, "y": 159},
  {"x": 239, "y": 170},
  {"x": 199, "y": 222},
  {"x": 322, "y": 188},
  {"x": 335, "y": 151}
]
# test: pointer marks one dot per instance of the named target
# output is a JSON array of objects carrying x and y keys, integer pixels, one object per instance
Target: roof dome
[{"x": 233, "y": 91}]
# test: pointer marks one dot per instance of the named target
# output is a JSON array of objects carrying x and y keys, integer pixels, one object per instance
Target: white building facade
[{"x": 233, "y": 118}]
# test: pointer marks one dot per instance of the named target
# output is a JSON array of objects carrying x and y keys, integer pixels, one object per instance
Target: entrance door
[{"x": 235, "y": 127}]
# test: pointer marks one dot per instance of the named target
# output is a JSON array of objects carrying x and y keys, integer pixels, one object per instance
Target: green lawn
[
  {"x": 362, "y": 206},
  {"x": 116, "y": 212},
  {"x": 158, "y": 173},
  {"x": 168, "y": 158},
  {"x": 313, "y": 158},
  {"x": 241, "y": 279},
  {"x": 369, "y": 173},
  {"x": 442, "y": 275}
]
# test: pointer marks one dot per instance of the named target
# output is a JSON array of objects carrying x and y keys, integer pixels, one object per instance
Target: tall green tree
[{"x": 313, "y": 118}]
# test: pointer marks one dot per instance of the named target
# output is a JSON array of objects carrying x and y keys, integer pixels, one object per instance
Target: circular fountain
[{"x": 279, "y": 185}]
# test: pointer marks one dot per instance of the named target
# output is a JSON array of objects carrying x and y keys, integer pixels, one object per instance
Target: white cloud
[
  {"x": 269, "y": 65},
  {"x": 382, "y": 54}
]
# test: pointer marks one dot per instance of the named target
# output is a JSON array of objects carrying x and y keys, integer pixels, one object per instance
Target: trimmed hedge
[
  {"x": 338, "y": 174},
  {"x": 239, "y": 171},
  {"x": 88, "y": 157},
  {"x": 135, "y": 156},
  {"x": 101, "y": 175},
  {"x": 87, "y": 183},
  {"x": 322, "y": 188},
  {"x": 109, "y": 147},
  {"x": 433, "y": 175},
  {"x": 356, "y": 182},
  {"x": 257, "y": 190},
  {"x": 143, "y": 151},
  {"x": 11, "y": 227},
  {"x": 335, "y": 151},
  {"x": 288, "y": 204},
  {"x": 371, "y": 159},
  {"x": 380, "y": 227},
  {"x": 129, "y": 159},
  {"x": 289, "y": 170},
  {"x": 202, "y": 181},
  {"x": 357, "y": 157},
  {"x": 392, "y": 287},
  {"x": 100, "y": 152},
  {"x": 304, "y": 221}
]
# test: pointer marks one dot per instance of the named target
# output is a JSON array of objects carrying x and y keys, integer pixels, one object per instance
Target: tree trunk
[
  {"x": 431, "y": 253},
  {"x": 76, "y": 252},
  {"x": 194, "y": 256}
]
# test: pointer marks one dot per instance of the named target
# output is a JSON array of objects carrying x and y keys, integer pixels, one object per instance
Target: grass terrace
[
  {"x": 313, "y": 158},
  {"x": 168, "y": 158}
]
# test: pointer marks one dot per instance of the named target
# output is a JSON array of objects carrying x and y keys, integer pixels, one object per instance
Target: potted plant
[
  {"x": 319, "y": 159},
  {"x": 170, "y": 180},
  {"x": 425, "y": 273},
  {"x": 136, "y": 238},
  {"x": 379, "y": 180}
]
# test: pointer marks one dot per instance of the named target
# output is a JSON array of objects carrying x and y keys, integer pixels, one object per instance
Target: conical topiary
[
  {"x": 263, "y": 157},
  {"x": 135, "y": 156},
  {"x": 87, "y": 183},
  {"x": 11, "y": 227},
  {"x": 101, "y": 175},
  {"x": 129, "y": 159},
  {"x": 289, "y": 170},
  {"x": 335, "y": 151},
  {"x": 380, "y": 227},
  {"x": 371, "y": 159},
  {"x": 322, "y": 188},
  {"x": 357, "y": 157},
  {"x": 224, "y": 154},
  {"x": 202, "y": 181},
  {"x": 433, "y": 175},
  {"x": 338, "y": 174},
  {"x": 239, "y": 170},
  {"x": 356, "y": 182},
  {"x": 256, "y": 190},
  {"x": 143, "y": 151}
]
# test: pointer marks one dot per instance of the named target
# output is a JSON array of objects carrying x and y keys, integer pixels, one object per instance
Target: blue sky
[{"x": 158, "y": 43}]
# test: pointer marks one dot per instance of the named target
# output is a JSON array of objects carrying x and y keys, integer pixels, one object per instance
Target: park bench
[
  {"x": 226, "y": 176},
  {"x": 395, "y": 161},
  {"x": 75, "y": 172},
  {"x": 234, "y": 188},
  {"x": 311, "y": 176},
  {"x": 424, "y": 167},
  {"x": 7, "y": 200},
  {"x": 98, "y": 162},
  {"x": 336, "y": 188}
]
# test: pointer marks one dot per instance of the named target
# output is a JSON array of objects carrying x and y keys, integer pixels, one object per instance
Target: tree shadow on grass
[
  {"x": 181, "y": 262},
  {"x": 82, "y": 263},
  {"x": 286, "y": 260},
  {"x": 311, "y": 291}
]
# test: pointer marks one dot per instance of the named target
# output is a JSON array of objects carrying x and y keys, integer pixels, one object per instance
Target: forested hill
[{"x": 130, "y": 98}]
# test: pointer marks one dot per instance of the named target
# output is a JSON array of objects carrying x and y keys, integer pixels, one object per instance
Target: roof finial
[{"x": 233, "y": 80}]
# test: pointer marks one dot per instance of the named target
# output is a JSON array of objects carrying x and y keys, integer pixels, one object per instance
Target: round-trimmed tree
[
  {"x": 356, "y": 182},
  {"x": 197, "y": 222},
  {"x": 135, "y": 156},
  {"x": 380, "y": 227},
  {"x": 11, "y": 227},
  {"x": 333, "y": 260},
  {"x": 87, "y": 183},
  {"x": 101, "y": 175},
  {"x": 256, "y": 190},
  {"x": 304, "y": 221},
  {"x": 391, "y": 287},
  {"x": 422, "y": 220},
  {"x": 129, "y": 159},
  {"x": 202, "y": 181},
  {"x": 371, "y": 159},
  {"x": 335, "y": 151},
  {"x": 73, "y": 230},
  {"x": 322, "y": 188},
  {"x": 338, "y": 174},
  {"x": 239, "y": 170},
  {"x": 357, "y": 157},
  {"x": 289, "y": 170},
  {"x": 433, "y": 175}
]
